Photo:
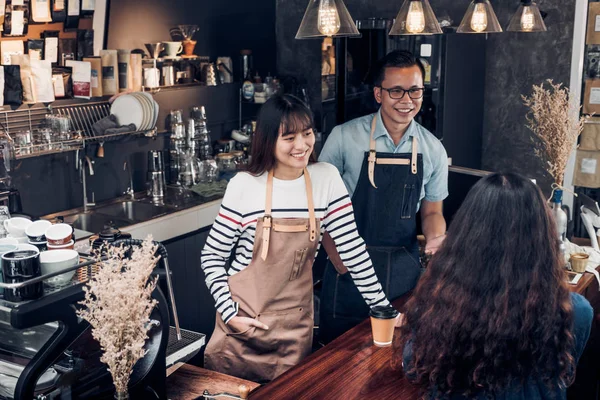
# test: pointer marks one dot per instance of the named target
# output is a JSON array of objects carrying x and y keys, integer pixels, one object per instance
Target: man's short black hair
[{"x": 395, "y": 59}]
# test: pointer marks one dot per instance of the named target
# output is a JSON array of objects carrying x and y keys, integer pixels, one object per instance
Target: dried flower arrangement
[
  {"x": 555, "y": 122},
  {"x": 118, "y": 302}
]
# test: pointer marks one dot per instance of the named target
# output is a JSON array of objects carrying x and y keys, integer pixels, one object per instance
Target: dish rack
[{"x": 83, "y": 116}]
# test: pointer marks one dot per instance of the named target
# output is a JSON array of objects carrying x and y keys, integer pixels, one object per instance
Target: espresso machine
[{"x": 47, "y": 352}]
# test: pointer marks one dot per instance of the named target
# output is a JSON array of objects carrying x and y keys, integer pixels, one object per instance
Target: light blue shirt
[{"x": 346, "y": 146}]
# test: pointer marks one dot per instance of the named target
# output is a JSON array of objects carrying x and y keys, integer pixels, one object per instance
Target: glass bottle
[{"x": 560, "y": 217}]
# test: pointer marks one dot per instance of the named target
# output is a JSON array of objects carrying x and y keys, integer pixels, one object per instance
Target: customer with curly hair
[{"x": 492, "y": 317}]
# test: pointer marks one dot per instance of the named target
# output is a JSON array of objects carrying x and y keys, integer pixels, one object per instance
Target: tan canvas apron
[{"x": 275, "y": 289}]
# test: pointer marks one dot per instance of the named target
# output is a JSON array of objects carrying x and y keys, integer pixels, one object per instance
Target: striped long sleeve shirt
[{"x": 232, "y": 234}]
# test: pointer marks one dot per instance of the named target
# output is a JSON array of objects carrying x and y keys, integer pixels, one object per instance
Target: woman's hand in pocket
[{"x": 242, "y": 324}]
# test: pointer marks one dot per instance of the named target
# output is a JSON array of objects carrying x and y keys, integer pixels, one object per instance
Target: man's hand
[
  {"x": 242, "y": 324},
  {"x": 432, "y": 245}
]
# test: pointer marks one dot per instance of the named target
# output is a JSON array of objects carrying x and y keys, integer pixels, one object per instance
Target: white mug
[
  {"x": 16, "y": 226},
  {"x": 173, "y": 48}
]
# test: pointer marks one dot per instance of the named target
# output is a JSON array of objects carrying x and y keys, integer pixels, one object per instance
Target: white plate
[
  {"x": 149, "y": 109},
  {"x": 128, "y": 110},
  {"x": 156, "y": 108},
  {"x": 146, "y": 113}
]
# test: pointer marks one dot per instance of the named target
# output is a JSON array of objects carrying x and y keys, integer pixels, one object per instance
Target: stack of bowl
[
  {"x": 60, "y": 237},
  {"x": 36, "y": 233}
]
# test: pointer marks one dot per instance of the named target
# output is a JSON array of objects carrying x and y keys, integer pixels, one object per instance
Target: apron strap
[
  {"x": 413, "y": 160},
  {"x": 312, "y": 221},
  {"x": 372, "y": 160},
  {"x": 268, "y": 220},
  {"x": 372, "y": 153}
]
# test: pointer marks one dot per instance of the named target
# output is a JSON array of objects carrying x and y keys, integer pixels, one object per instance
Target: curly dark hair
[{"x": 493, "y": 306}]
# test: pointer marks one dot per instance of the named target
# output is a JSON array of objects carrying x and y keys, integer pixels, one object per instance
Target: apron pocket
[
  {"x": 299, "y": 260},
  {"x": 408, "y": 201},
  {"x": 285, "y": 328}
]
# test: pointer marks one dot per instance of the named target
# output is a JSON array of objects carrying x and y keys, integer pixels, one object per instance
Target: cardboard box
[
  {"x": 590, "y": 136},
  {"x": 593, "y": 25},
  {"x": 587, "y": 169},
  {"x": 591, "y": 99}
]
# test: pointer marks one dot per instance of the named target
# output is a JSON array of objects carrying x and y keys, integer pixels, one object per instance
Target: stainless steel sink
[
  {"x": 94, "y": 223},
  {"x": 133, "y": 211}
]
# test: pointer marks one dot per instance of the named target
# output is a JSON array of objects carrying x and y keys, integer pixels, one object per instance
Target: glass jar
[
  {"x": 226, "y": 165},
  {"x": 239, "y": 159}
]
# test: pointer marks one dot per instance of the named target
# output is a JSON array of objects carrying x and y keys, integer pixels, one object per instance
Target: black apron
[{"x": 385, "y": 205}]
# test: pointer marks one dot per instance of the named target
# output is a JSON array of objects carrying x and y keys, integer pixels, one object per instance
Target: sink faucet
[
  {"x": 82, "y": 164},
  {"x": 129, "y": 192}
]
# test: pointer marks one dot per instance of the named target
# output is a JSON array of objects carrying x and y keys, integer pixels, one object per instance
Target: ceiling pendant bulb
[
  {"x": 479, "y": 18},
  {"x": 415, "y": 18},
  {"x": 528, "y": 18},
  {"x": 327, "y": 18}
]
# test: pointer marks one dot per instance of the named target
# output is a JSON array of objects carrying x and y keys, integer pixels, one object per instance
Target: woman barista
[{"x": 275, "y": 215}]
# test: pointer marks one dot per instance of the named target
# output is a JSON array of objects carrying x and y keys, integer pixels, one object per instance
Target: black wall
[
  {"x": 226, "y": 27},
  {"x": 514, "y": 62}
]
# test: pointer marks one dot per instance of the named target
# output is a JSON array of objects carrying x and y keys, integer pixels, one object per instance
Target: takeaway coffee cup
[{"x": 383, "y": 320}]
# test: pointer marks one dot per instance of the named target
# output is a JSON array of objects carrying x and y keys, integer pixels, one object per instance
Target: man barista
[{"x": 392, "y": 167}]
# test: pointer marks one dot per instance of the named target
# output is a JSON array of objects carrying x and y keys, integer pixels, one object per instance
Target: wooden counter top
[
  {"x": 189, "y": 382},
  {"x": 350, "y": 367}
]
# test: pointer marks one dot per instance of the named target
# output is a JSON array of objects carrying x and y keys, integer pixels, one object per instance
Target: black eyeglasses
[{"x": 398, "y": 93}]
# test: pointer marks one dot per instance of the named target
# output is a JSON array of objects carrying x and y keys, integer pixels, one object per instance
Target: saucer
[{"x": 172, "y": 57}]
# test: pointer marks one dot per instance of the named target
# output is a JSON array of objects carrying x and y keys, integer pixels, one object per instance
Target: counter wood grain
[{"x": 350, "y": 367}]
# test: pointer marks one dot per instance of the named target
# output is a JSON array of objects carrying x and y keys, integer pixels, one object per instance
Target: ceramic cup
[
  {"x": 58, "y": 260},
  {"x": 36, "y": 232},
  {"x": 18, "y": 266},
  {"x": 383, "y": 320},
  {"x": 70, "y": 245},
  {"x": 59, "y": 234},
  {"x": 6, "y": 248},
  {"x": 579, "y": 262},
  {"x": 16, "y": 226},
  {"x": 173, "y": 49}
]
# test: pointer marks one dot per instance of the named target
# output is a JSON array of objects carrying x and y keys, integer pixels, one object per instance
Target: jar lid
[
  {"x": 383, "y": 312},
  {"x": 110, "y": 234},
  {"x": 225, "y": 156}
]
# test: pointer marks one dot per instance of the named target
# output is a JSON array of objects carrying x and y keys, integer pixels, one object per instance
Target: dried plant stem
[
  {"x": 555, "y": 122},
  {"x": 118, "y": 302}
]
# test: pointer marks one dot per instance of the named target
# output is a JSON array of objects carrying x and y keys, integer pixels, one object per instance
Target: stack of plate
[{"x": 137, "y": 108}]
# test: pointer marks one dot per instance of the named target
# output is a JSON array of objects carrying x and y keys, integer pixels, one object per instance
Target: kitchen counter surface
[{"x": 138, "y": 216}]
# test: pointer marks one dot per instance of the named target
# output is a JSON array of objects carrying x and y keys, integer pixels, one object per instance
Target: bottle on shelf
[{"x": 247, "y": 85}]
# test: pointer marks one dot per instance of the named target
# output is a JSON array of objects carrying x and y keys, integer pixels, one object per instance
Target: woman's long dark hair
[
  {"x": 285, "y": 112},
  {"x": 493, "y": 307}
]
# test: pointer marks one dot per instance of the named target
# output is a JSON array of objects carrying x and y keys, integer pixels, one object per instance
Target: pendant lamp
[
  {"x": 480, "y": 18},
  {"x": 528, "y": 18},
  {"x": 327, "y": 18},
  {"x": 415, "y": 18}
]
